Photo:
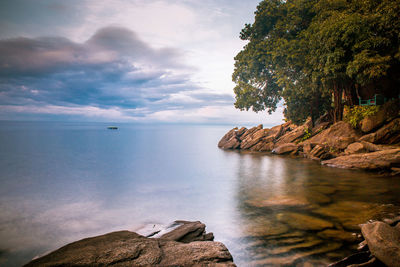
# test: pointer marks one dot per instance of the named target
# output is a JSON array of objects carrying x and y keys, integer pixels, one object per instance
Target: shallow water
[{"x": 61, "y": 182}]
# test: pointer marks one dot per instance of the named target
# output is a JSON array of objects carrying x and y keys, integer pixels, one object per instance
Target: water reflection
[{"x": 293, "y": 211}]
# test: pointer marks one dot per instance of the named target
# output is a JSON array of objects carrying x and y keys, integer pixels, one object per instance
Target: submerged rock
[
  {"x": 339, "y": 235},
  {"x": 126, "y": 248},
  {"x": 304, "y": 222},
  {"x": 280, "y": 201}
]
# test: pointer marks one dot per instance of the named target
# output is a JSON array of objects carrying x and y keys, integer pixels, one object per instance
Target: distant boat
[{"x": 112, "y": 127}]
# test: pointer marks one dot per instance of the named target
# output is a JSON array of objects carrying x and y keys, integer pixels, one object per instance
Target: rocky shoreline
[
  {"x": 374, "y": 145},
  {"x": 183, "y": 243}
]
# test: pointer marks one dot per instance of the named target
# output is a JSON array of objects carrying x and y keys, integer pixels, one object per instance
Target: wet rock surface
[{"x": 176, "y": 248}]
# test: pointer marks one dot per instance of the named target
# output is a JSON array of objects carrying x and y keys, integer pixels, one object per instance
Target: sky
[{"x": 123, "y": 61}]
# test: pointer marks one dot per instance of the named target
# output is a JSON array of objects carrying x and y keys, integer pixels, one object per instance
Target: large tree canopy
[{"x": 318, "y": 54}]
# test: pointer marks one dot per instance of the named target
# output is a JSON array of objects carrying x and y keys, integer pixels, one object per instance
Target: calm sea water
[{"x": 61, "y": 182}]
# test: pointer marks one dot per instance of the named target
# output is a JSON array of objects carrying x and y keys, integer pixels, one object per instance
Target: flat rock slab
[
  {"x": 379, "y": 160},
  {"x": 383, "y": 242},
  {"x": 126, "y": 248},
  {"x": 304, "y": 222}
]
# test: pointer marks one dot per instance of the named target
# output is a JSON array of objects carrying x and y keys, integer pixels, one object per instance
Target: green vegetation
[
  {"x": 318, "y": 55},
  {"x": 355, "y": 114},
  {"x": 307, "y": 134}
]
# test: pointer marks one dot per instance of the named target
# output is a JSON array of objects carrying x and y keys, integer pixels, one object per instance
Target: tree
[{"x": 317, "y": 55}]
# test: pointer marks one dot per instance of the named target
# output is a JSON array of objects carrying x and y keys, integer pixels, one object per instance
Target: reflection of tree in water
[{"x": 294, "y": 210}]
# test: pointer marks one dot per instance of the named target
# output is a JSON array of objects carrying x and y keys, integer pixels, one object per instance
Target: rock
[
  {"x": 307, "y": 148},
  {"x": 254, "y": 138},
  {"x": 361, "y": 147},
  {"x": 285, "y": 249},
  {"x": 263, "y": 146},
  {"x": 316, "y": 197},
  {"x": 388, "y": 134},
  {"x": 339, "y": 235},
  {"x": 229, "y": 140},
  {"x": 286, "y": 149},
  {"x": 386, "y": 112},
  {"x": 126, "y": 248},
  {"x": 261, "y": 227},
  {"x": 380, "y": 160},
  {"x": 343, "y": 212},
  {"x": 188, "y": 232},
  {"x": 303, "y": 222},
  {"x": 280, "y": 201},
  {"x": 383, "y": 242},
  {"x": 338, "y": 136},
  {"x": 363, "y": 246},
  {"x": 241, "y": 131},
  {"x": 290, "y": 259},
  {"x": 250, "y": 132},
  {"x": 317, "y": 151},
  {"x": 291, "y": 136},
  {"x": 324, "y": 189}
]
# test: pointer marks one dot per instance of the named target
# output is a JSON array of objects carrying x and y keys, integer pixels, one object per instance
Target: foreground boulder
[
  {"x": 126, "y": 248},
  {"x": 380, "y": 160},
  {"x": 383, "y": 242}
]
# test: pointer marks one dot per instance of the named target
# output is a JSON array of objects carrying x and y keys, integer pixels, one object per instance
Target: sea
[{"x": 65, "y": 181}]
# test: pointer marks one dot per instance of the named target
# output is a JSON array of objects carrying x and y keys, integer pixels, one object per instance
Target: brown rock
[
  {"x": 291, "y": 136},
  {"x": 361, "y": 147},
  {"x": 303, "y": 222},
  {"x": 280, "y": 201},
  {"x": 254, "y": 138},
  {"x": 383, "y": 242},
  {"x": 126, "y": 248},
  {"x": 317, "y": 151},
  {"x": 250, "y": 132},
  {"x": 188, "y": 232},
  {"x": 339, "y": 235},
  {"x": 380, "y": 160},
  {"x": 388, "y": 134},
  {"x": 386, "y": 112},
  {"x": 227, "y": 137},
  {"x": 338, "y": 136},
  {"x": 286, "y": 148}
]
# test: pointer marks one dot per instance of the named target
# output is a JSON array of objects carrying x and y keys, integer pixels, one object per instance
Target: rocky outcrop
[
  {"x": 380, "y": 160},
  {"x": 336, "y": 145},
  {"x": 126, "y": 248}
]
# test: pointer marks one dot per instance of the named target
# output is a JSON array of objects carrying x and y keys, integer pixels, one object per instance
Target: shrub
[{"x": 355, "y": 114}]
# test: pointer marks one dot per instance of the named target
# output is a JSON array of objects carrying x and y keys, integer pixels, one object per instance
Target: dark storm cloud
[{"x": 113, "y": 68}]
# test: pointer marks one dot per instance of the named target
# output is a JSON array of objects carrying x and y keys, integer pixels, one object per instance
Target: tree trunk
[{"x": 337, "y": 102}]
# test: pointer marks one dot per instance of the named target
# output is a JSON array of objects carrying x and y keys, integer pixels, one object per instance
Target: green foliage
[
  {"x": 311, "y": 52},
  {"x": 357, "y": 113},
  {"x": 307, "y": 134}
]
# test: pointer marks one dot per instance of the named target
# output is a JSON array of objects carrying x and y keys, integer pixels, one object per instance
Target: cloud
[{"x": 112, "y": 69}]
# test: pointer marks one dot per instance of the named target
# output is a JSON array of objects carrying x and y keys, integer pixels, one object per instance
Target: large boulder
[
  {"x": 383, "y": 242},
  {"x": 338, "y": 136},
  {"x": 388, "y": 134},
  {"x": 386, "y": 112},
  {"x": 286, "y": 149},
  {"x": 380, "y": 160},
  {"x": 126, "y": 248}
]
